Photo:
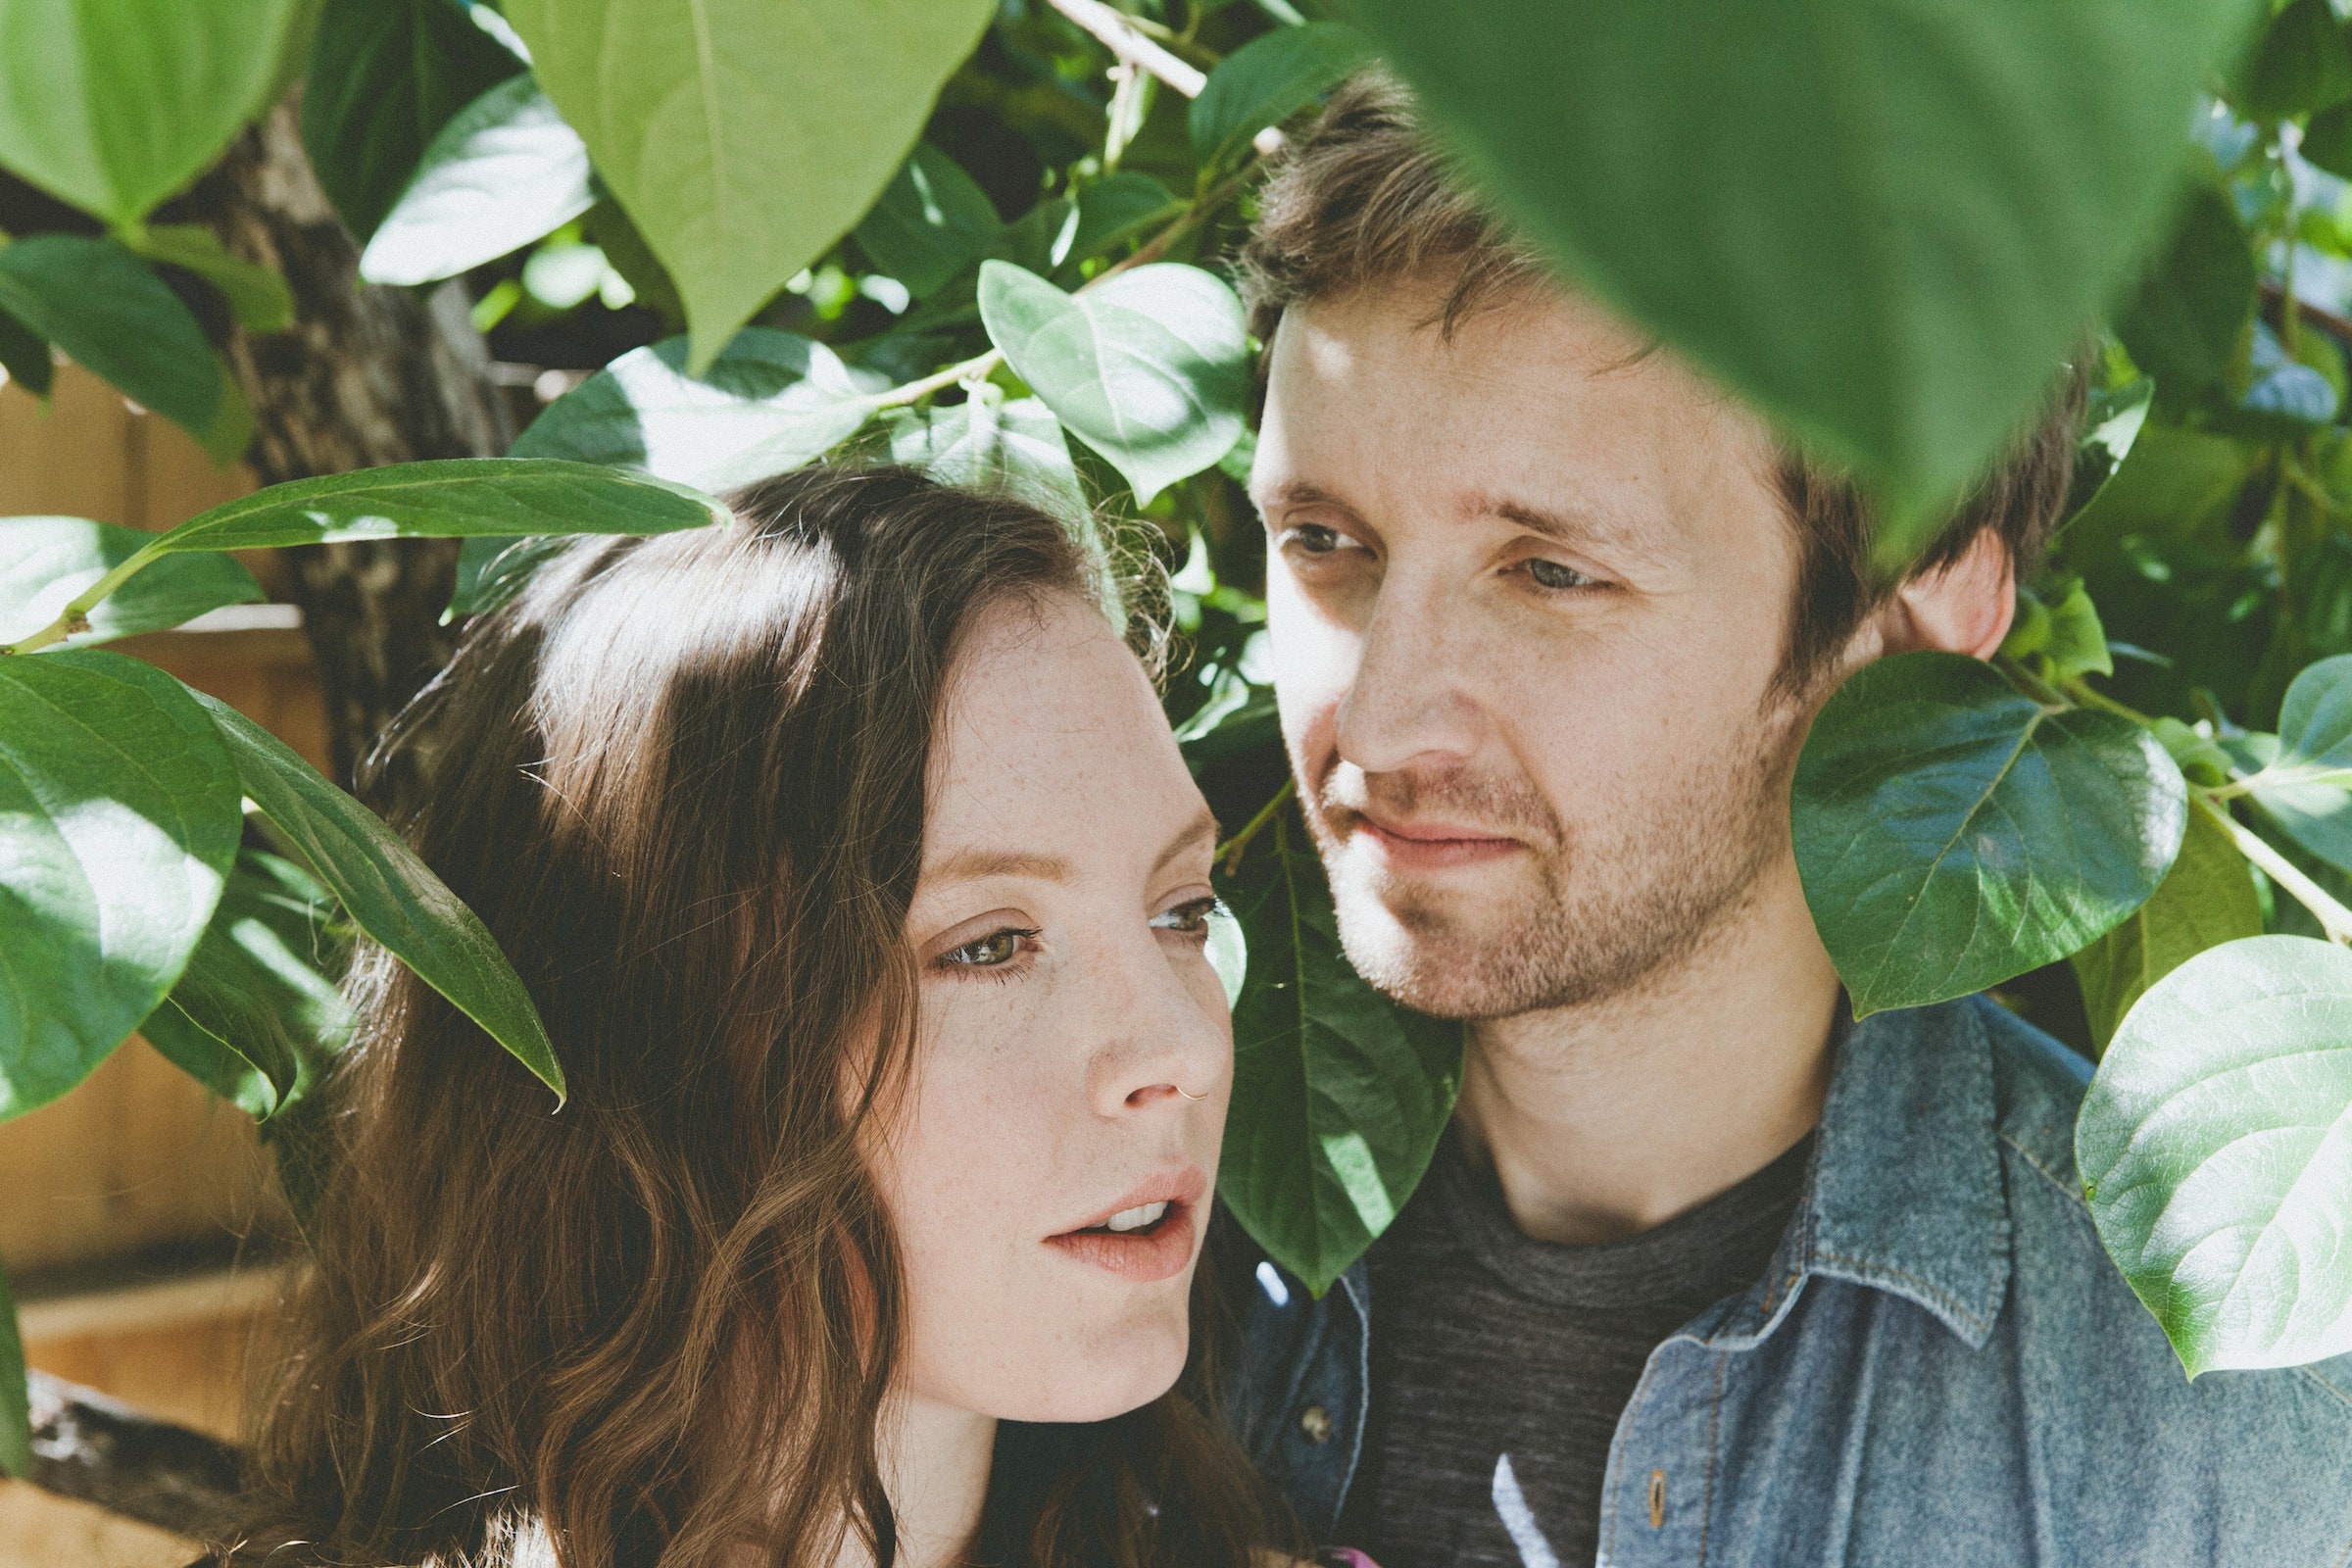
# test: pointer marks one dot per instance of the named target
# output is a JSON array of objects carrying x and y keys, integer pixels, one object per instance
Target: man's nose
[{"x": 1409, "y": 704}]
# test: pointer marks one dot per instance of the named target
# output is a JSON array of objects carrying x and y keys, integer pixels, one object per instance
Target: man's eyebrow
[
  {"x": 1566, "y": 527},
  {"x": 974, "y": 865},
  {"x": 1201, "y": 828},
  {"x": 1301, "y": 493}
]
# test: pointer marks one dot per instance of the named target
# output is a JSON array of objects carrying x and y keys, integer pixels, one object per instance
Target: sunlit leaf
[
  {"x": 46, "y": 561},
  {"x": 988, "y": 443},
  {"x": 1952, "y": 833},
  {"x": 1150, "y": 367},
  {"x": 113, "y": 105},
  {"x": 388, "y": 892},
  {"x": 930, "y": 223},
  {"x": 118, "y": 824},
  {"x": 505, "y": 172},
  {"x": 745, "y": 137},
  {"x": 2215, "y": 1149}
]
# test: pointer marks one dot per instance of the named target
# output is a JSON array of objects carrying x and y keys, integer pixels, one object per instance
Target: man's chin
[{"x": 1431, "y": 949}]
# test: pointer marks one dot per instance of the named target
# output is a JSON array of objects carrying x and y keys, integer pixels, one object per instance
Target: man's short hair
[{"x": 1365, "y": 197}]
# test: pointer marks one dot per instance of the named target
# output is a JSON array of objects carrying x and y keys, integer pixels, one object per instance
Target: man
[{"x": 1703, "y": 1273}]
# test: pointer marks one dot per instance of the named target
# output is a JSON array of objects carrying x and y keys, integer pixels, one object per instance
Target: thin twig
[
  {"x": 1123, "y": 39},
  {"x": 1229, "y": 853}
]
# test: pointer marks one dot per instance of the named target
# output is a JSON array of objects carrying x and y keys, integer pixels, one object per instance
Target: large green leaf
[
  {"x": 25, "y": 356},
  {"x": 254, "y": 1015},
  {"x": 447, "y": 498},
  {"x": 386, "y": 75},
  {"x": 2208, "y": 897},
  {"x": 46, "y": 561},
  {"x": 2315, "y": 726},
  {"x": 1338, "y": 1099},
  {"x": 108, "y": 310},
  {"x": 2215, "y": 1149},
  {"x": 743, "y": 136},
  {"x": 1268, "y": 79},
  {"x": 118, "y": 822},
  {"x": 1150, "y": 367},
  {"x": 505, "y": 172},
  {"x": 15, "y": 1400},
  {"x": 1952, "y": 833},
  {"x": 255, "y": 295},
  {"x": 930, "y": 223},
  {"x": 1885, "y": 220},
  {"x": 389, "y": 893},
  {"x": 112, "y": 105},
  {"x": 2183, "y": 322},
  {"x": 988, "y": 443}
]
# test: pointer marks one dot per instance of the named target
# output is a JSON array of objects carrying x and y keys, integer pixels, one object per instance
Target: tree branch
[
  {"x": 99, "y": 1450},
  {"x": 1123, "y": 39}
]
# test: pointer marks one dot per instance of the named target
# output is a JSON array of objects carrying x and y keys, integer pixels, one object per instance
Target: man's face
[{"x": 1527, "y": 588}]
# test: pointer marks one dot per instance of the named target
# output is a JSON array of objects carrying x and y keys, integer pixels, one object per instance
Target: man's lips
[
  {"x": 1429, "y": 845},
  {"x": 1156, "y": 1251}
]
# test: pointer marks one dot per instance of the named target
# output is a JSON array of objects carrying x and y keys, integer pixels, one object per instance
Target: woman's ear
[{"x": 1963, "y": 607}]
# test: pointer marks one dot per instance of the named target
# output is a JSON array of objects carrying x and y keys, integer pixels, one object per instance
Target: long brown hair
[{"x": 682, "y": 780}]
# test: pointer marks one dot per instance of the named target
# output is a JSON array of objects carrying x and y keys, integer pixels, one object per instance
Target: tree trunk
[
  {"x": 89, "y": 1447},
  {"x": 367, "y": 375}
]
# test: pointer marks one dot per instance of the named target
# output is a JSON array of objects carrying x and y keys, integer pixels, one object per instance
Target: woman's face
[{"x": 1050, "y": 1173}]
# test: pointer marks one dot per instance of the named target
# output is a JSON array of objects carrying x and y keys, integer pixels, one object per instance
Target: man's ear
[{"x": 1960, "y": 608}]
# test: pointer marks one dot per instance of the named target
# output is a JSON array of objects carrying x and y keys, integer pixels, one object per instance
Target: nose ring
[{"x": 1190, "y": 1097}]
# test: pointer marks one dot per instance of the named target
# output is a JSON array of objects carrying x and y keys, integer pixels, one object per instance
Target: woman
[{"x": 864, "y": 896}]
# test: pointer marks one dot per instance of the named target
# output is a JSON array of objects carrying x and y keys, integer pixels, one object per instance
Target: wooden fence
[{"x": 138, "y": 1214}]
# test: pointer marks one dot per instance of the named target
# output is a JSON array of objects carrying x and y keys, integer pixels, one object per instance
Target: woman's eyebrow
[
  {"x": 1201, "y": 828},
  {"x": 974, "y": 865}
]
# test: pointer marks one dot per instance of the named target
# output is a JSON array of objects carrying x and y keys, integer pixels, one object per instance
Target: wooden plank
[
  {"x": 40, "y": 1530},
  {"x": 75, "y": 457}
]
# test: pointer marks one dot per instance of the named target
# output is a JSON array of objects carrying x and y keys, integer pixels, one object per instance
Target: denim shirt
[{"x": 1939, "y": 1366}]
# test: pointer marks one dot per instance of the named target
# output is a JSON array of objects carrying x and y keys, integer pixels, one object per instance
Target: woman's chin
[{"x": 1115, "y": 1373}]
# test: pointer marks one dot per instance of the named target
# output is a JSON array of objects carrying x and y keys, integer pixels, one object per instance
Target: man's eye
[
  {"x": 1189, "y": 917},
  {"x": 1314, "y": 538},
  {"x": 1552, "y": 574},
  {"x": 991, "y": 951}
]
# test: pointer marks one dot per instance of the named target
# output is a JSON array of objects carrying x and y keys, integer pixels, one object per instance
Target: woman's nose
[{"x": 1162, "y": 1039}]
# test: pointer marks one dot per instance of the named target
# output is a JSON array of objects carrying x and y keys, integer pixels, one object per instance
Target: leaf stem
[
  {"x": 1229, "y": 853},
  {"x": 2333, "y": 917},
  {"x": 1117, "y": 33},
  {"x": 2081, "y": 691},
  {"x": 74, "y": 617}
]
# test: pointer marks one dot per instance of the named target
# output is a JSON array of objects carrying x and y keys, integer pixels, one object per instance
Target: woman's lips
[
  {"x": 1156, "y": 1253},
  {"x": 1429, "y": 846}
]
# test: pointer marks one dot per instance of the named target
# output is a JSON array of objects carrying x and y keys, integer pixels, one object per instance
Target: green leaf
[
  {"x": 2327, "y": 141},
  {"x": 1885, "y": 221},
  {"x": 505, "y": 172},
  {"x": 108, "y": 310},
  {"x": 2111, "y": 425},
  {"x": 254, "y": 1018},
  {"x": 1952, "y": 834},
  {"x": 1338, "y": 1099},
  {"x": 256, "y": 294},
  {"x": 1268, "y": 79},
  {"x": 112, "y": 105},
  {"x": 2183, "y": 322},
  {"x": 930, "y": 223},
  {"x": 25, "y": 356},
  {"x": 46, "y": 561},
  {"x": 1150, "y": 367},
  {"x": 772, "y": 402},
  {"x": 389, "y": 893},
  {"x": 2077, "y": 644},
  {"x": 2302, "y": 64},
  {"x": 16, "y": 1399},
  {"x": 2315, "y": 725},
  {"x": 745, "y": 137},
  {"x": 2208, "y": 897},
  {"x": 2216, "y": 1149},
  {"x": 490, "y": 568},
  {"x": 385, "y": 77},
  {"x": 1119, "y": 207},
  {"x": 447, "y": 498},
  {"x": 986, "y": 443},
  {"x": 118, "y": 822}
]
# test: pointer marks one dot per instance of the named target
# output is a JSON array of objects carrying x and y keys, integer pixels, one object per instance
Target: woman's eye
[
  {"x": 1191, "y": 918},
  {"x": 991, "y": 951},
  {"x": 1552, "y": 574}
]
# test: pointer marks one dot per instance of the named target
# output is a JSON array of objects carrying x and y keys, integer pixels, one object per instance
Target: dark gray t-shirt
[{"x": 1500, "y": 1365}]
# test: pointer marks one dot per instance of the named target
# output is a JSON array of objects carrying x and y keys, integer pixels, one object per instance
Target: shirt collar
[{"x": 1906, "y": 1195}]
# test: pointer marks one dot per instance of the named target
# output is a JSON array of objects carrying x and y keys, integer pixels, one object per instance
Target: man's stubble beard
[{"x": 1622, "y": 900}]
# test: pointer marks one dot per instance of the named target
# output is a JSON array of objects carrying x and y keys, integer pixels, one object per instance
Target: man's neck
[
  {"x": 1609, "y": 1118},
  {"x": 935, "y": 1465}
]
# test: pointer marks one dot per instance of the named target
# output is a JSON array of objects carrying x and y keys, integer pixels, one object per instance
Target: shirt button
[{"x": 1315, "y": 1422}]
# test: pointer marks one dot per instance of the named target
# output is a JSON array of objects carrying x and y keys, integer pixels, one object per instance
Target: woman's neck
[{"x": 935, "y": 1462}]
